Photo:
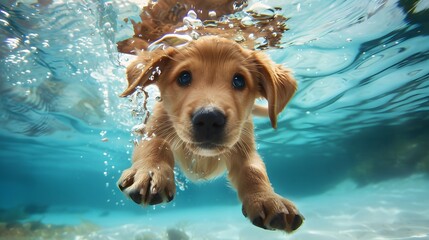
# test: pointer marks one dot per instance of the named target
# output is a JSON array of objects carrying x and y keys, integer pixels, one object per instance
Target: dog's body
[{"x": 204, "y": 124}]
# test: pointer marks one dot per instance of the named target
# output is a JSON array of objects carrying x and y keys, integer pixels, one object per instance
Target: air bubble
[
  {"x": 247, "y": 22},
  {"x": 195, "y": 35},
  {"x": 210, "y": 23},
  {"x": 261, "y": 42},
  {"x": 239, "y": 38},
  {"x": 107, "y": 25},
  {"x": 212, "y": 14},
  {"x": 192, "y": 21},
  {"x": 192, "y": 14},
  {"x": 12, "y": 43},
  {"x": 46, "y": 44},
  {"x": 6, "y": 14},
  {"x": 261, "y": 11},
  {"x": 4, "y": 22}
]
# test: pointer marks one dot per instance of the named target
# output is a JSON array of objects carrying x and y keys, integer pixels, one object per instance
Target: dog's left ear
[
  {"x": 277, "y": 84},
  {"x": 147, "y": 68}
]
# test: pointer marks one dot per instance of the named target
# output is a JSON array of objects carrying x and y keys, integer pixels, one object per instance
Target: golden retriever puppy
[{"x": 204, "y": 124}]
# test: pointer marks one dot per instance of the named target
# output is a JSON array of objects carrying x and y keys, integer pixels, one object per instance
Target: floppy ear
[
  {"x": 147, "y": 68},
  {"x": 277, "y": 84}
]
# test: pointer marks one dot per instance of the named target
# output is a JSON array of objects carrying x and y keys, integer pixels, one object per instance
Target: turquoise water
[{"x": 351, "y": 150}]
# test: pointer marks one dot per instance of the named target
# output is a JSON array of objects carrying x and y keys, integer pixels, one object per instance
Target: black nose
[{"x": 208, "y": 126}]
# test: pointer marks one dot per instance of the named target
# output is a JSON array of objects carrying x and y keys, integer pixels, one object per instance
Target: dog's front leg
[
  {"x": 261, "y": 204},
  {"x": 150, "y": 179}
]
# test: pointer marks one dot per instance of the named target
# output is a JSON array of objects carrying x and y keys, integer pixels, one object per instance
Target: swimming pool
[{"x": 351, "y": 149}]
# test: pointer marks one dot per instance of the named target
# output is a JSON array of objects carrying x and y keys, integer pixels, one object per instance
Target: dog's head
[{"x": 209, "y": 87}]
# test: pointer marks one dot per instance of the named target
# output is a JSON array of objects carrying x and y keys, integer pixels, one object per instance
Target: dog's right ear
[
  {"x": 147, "y": 68},
  {"x": 277, "y": 85}
]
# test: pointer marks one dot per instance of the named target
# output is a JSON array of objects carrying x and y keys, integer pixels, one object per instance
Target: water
[{"x": 351, "y": 149}]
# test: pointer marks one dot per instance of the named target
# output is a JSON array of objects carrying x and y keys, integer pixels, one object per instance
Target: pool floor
[{"x": 395, "y": 209}]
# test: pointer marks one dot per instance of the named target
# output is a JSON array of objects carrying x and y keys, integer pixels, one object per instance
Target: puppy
[{"x": 204, "y": 124}]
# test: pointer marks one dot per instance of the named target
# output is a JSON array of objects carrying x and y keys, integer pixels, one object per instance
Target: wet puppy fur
[
  {"x": 163, "y": 17},
  {"x": 204, "y": 124}
]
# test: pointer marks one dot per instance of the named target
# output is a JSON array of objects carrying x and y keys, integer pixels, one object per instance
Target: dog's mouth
[
  {"x": 207, "y": 149},
  {"x": 207, "y": 145},
  {"x": 201, "y": 148}
]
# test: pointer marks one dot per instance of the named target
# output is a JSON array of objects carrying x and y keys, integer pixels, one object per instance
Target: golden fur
[{"x": 213, "y": 62}]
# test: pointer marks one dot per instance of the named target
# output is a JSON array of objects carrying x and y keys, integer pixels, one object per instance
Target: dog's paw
[
  {"x": 271, "y": 211},
  {"x": 148, "y": 186}
]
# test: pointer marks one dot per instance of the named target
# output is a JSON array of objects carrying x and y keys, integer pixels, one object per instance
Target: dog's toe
[
  {"x": 125, "y": 184},
  {"x": 243, "y": 210},
  {"x": 121, "y": 186},
  {"x": 136, "y": 196},
  {"x": 155, "y": 199},
  {"x": 278, "y": 221},
  {"x": 259, "y": 222},
  {"x": 297, "y": 222},
  {"x": 170, "y": 197},
  {"x": 127, "y": 179}
]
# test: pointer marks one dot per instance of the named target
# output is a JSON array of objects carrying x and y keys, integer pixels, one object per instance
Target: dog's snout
[
  {"x": 209, "y": 119},
  {"x": 208, "y": 125}
]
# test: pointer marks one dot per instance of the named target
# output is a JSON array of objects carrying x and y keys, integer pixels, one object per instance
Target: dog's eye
[
  {"x": 238, "y": 81},
  {"x": 184, "y": 79}
]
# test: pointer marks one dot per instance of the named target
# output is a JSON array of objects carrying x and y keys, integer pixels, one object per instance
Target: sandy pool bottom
[{"x": 397, "y": 209}]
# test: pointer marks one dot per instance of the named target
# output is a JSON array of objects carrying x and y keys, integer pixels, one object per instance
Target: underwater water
[{"x": 351, "y": 149}]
